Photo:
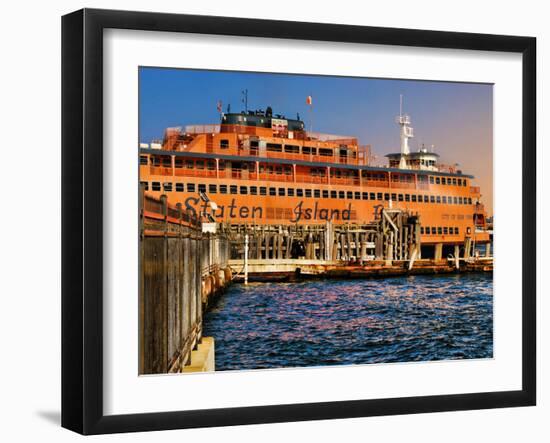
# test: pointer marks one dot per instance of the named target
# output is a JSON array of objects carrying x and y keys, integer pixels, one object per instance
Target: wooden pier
[
  {"x": 181, "y": 269},
  {"x": 389, "y": 246}
]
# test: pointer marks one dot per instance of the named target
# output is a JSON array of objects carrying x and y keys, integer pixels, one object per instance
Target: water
[{"x": 337, "y": 322}]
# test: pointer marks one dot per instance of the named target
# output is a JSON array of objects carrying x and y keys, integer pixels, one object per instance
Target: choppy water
[{"x": 335, "y": 322}]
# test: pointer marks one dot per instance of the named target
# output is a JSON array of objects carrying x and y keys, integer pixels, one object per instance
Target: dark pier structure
[{"x": 181, "y": 268}]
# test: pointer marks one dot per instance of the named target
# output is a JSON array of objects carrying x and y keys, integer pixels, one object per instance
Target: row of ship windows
[
  {"x": 439, "y": 230},
  {"x": 309, "y": 193}
]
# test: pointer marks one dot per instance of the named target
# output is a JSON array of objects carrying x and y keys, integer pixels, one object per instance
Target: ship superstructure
[{"x": 263, "y": 168}]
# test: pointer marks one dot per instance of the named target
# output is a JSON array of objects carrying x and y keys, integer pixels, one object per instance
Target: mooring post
[{"x": 246, "y": 259}]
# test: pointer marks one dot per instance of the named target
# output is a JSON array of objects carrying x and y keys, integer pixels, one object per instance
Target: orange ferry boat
[{"x": 263, "y": 168}]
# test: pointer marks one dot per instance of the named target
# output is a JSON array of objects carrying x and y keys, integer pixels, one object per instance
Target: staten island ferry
[{"x": 263, "y": 168}]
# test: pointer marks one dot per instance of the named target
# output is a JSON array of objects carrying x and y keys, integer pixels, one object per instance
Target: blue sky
[{"x": 455, "y": 117}]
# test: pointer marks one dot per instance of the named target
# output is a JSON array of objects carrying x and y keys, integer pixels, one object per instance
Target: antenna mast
[
  {"x": 404, "y": 122},
  {"x": 245, "y": 99}
]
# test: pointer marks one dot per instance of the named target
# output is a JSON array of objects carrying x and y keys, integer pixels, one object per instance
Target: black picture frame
[{"x": 82, "y": 218}]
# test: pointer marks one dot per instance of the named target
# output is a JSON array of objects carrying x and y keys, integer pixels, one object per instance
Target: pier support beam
[
  {"x": 438, "y": 252},
  {"x": 467, "y": 247}
]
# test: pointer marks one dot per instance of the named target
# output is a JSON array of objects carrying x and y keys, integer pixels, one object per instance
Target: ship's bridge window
[
  {"x": 292, "y": 149},
  {"x": 179, "y": 187},
  {"x": 469, "y": 200},
  {"x": 439, "y": 230},
  {"x": 279, "y": 170},
  {"x": 202, "y": 187},
  {"x": 224, "y": 143},
  {"x": 443, "y": 181},
  {"x": 426, "y": 199},
  {"x": 223, "y": 189},
  {"x": 432, "y": 180},
  {"x": 464, "y": 182},
  {"x": 155, "y": 161},
  {"x": 422, "y": 179},
  {"x": 316, "y": 193},
  {"x": 358, "y": 196},
  {"x": 459, "y": 182},
  {"x": 290, "y": 192},
  {"x": 444, "y": 199},
  {"x": 307, "y": 193},
  {"x": 438, "y": 199},
  {"x": 272, "y": 191},
  {"x": 233, "y": 189},
  {"x": 407, "y": 197},
  {"x": 274, "y": 147},
  {"x": 413, "y": 198},
  {"x": 394, "y": 197},
  {"x": 143, "y": 160},
  {"x": 178, "y": 163},
  {"x": 341, "y": 194},
  {"x": 190, "y": 187},
  {"x": 386, "y": 197},
  {"x": 156, "y": 186},
  {"x": 365, "y": 195},
  {"x": 299, "y": 192},
  {"x": 333, "y": 194},
  {"x": 281, "y": 192},
  {"x": 433, "y": 230},
  {"x": 379, "y": 196},
  {"x": 437, "y": 181},
  {"x": 432, "y": 199},
  {"x": 211, "y": 165},
  {"x": 445, "y": 230},
  {"x": 459, "y": 200},
  {"x": 189, "y": 164},
  {"x": 288, "y": 170},
  {"x": 325, "y": 193},
  {"x": 243, "y": 190},
  {"x": 212, "y": 189},
  {"x": 372, "y": 196},
  {"x": 221, "y": 165},
  {"x": 199, "y": 164},
  {"x": 349, "y": 195},
  {"x": 400, "y": 197},
  {"x": 455, "y": 200},
  {"x": 309, "y": 150},
  {"x": 456, "y": 230},
  {"x": 167, "y": 162},
  {"x": 263, "y": 190},
  {"x": 454, "y": 181},
  {"x": 326, "y": 152}
]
